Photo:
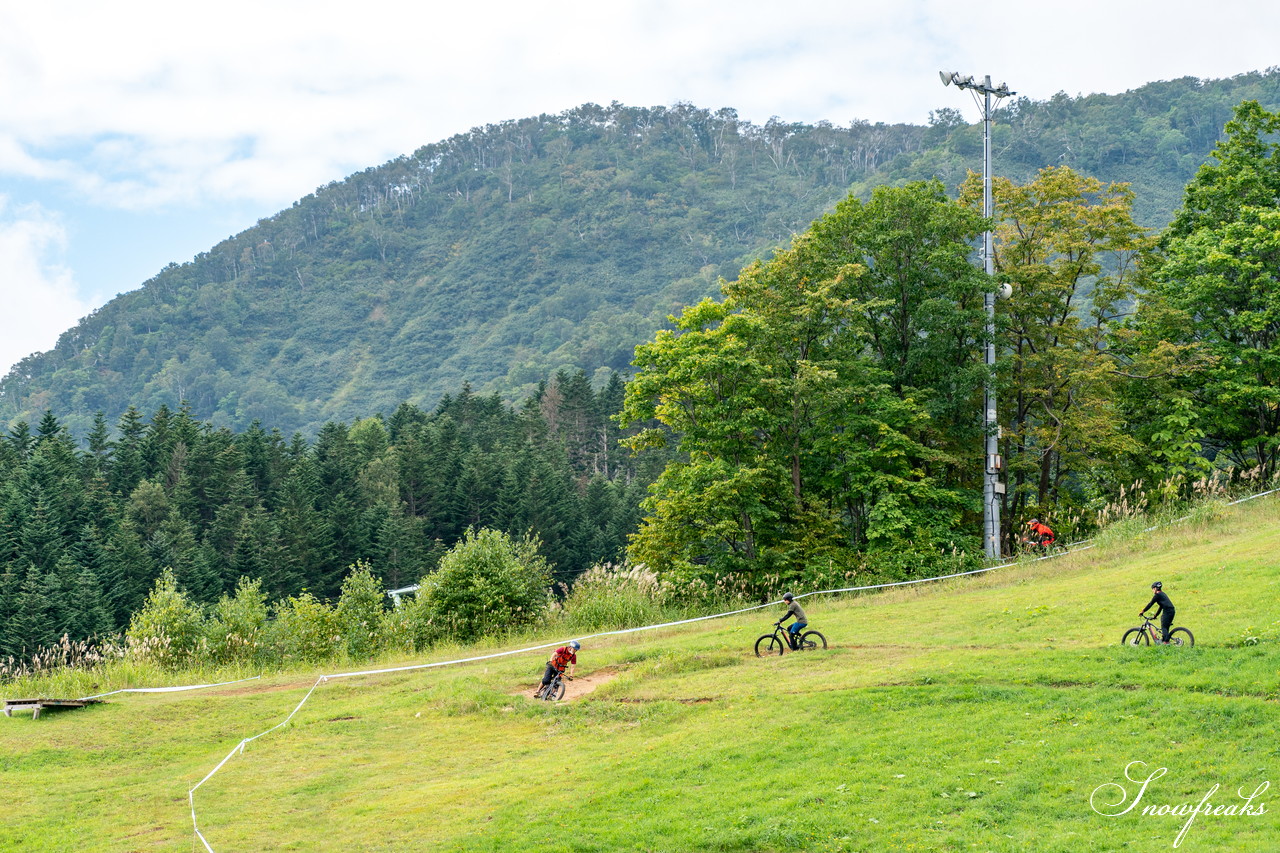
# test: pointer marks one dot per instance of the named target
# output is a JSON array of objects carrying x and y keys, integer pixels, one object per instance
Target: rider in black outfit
[{"x": 1165, "y": 611}]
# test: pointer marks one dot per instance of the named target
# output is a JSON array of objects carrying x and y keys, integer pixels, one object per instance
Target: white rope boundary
[
  {"x": 165, "y": 689},
  {"x": 323, "y": 679}
]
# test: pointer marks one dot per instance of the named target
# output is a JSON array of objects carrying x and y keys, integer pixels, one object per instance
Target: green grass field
[{"x": 975, "y": 714}]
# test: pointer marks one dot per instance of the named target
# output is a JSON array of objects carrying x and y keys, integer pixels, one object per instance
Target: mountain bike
[
  {"x": 1037, "y": 546},
  {"x": 780, "y": 640},
  {"x": 1148, "y": 633},
  {"x": 553, "y": 690}
]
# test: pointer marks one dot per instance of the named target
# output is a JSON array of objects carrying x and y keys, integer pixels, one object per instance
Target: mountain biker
[
  {"x": 562, "y": 657},
  {"x": 1165, "y": 610},
  {"x": 794, "y": 609},
  {"x": 1041, "y": 534}
]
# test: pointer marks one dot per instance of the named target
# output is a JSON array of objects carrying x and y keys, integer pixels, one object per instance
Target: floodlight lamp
[{"x": 947, "y": 77}]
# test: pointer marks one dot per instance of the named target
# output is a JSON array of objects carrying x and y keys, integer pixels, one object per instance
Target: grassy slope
[{"x": 975, "y": 714}]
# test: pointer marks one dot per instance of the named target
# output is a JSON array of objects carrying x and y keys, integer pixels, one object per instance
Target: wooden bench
[{"x": 36, "y": 705}]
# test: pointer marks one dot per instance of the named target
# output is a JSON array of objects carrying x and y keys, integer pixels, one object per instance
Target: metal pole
[
  {"x": 991, "y": 490},
  {"x": 990, "y": 500}
]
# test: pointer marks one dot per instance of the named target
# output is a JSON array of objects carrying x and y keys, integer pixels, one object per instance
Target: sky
[{"x": 137, "y": 133}]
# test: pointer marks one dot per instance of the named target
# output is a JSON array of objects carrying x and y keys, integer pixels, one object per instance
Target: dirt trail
[{"x": 583, "y": 684}]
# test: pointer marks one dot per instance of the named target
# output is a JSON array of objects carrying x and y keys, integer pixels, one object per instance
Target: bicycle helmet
[
  {"x": 786, "y": 596},
  {"x": 1157, "y": 585},
  {"x": 575, "y": 645},
  {"x": 1034, "y": 521}
]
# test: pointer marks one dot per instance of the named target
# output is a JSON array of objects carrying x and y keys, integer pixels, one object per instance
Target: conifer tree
[
  {"x": 100, "y": 445},
  {"x": 10, "y": 585},
  {"x": 89, "y": 614},
  {"x": 128, "y": 465},
  {"x": 30, "y": 625},
  {"x": 21, "y": 441},
  {"x": 131, "y": 570}
]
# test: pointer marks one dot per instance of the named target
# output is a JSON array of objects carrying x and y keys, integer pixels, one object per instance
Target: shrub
[
  {"x": 408, "y": 627},
  {"x": 305, "y": 629},
  {"x": 235, "y": 631},
  {"x": 359, "y": 612},
  {"x": 168, "y": 628},
  {"x": 488, "y": 583}
]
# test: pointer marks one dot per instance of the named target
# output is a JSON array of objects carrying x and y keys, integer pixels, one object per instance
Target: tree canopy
[{"x": 801, "y": 403}]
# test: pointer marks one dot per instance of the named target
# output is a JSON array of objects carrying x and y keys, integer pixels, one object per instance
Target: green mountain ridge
[{"x": 557, "y": 242}]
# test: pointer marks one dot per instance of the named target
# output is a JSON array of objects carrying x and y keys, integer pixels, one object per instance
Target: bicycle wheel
[
  {"x": 813, "y": 640},
  {"x": 1181, "y": 637},
  {"x": 558, "y": 693},
  {"x": 1136, "y": 637},
  {"x": 769, "y": 644}
]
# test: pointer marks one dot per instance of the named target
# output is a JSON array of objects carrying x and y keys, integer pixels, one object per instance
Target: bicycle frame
[
  {"x": 552, "y": 686},
  {"x": 785, "y": 630}
]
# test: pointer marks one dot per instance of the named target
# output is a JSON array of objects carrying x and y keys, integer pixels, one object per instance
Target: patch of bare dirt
[
  {"x": 584, "y": 684},
  {"x": 581, "y": 684}
]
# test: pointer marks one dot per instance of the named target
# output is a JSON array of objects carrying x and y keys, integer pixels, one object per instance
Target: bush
[
  {"x": 168, "y": 628},
  {"x": 359, "y": 612},
  {"x": 409, "y": 627},
  {"x": 305, "y": 629},
  {"x": 487, "y": 584},
  {"x": 235, "y": 631}
]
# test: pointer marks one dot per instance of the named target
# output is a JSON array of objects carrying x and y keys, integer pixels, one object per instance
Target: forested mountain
[{"x": 503, "y": 255}]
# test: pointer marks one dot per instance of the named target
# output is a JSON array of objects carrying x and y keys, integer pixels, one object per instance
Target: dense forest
[
  {"x": 85, "y": 533},
  {"x": 560, "y": 242}
]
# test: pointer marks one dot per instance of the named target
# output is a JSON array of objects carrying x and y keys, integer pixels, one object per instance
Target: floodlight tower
[{"x": 992, "y": 488}]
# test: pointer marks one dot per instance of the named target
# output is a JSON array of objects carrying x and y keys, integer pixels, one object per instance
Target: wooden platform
[{"x": 36, "y": 705}]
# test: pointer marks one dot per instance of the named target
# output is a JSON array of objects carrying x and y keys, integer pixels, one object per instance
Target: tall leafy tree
[
  {"x": 1216, "y": 288},
  {"x": 790, "y": 401},
  {"x": 1069, "y": 246}
]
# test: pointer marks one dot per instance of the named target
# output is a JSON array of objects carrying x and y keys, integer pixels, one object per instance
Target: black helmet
[
  {"x": 1157, "y": 585},
  {"x": 786, "y": 596}
]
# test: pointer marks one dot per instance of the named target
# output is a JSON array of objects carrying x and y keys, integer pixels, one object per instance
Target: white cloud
[
  {"x": 143, "y": 104},
  {"x": 164, "y": 109},
  {"x": 39, "y": 293}
]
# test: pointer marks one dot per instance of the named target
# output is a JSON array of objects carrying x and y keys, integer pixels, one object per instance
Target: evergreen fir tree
[
  {"x": 41, "y": 542},
  {"x": 29, "y": 626},
  {"x": 131, "y": 571},
  {"x": 57, "y": 588},
  {"x": 13, "y": 517},
  {"x": 89, "y": 613},
  {"x": 128, "y": 466},
  {"x": 98, "y": 459},
  {"x": 21, "y": 441},
  {"x": 258, "y": 556},
  {"x": 174, "y": 545},
  {"x": 399, "y": 549},
  {"x": 10, "y": 585}
]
